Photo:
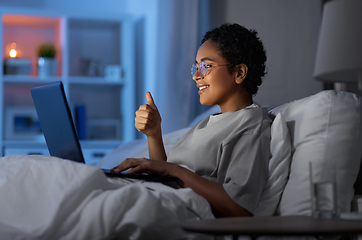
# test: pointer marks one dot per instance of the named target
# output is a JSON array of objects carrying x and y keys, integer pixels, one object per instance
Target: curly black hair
[{"x": 238, "y": 45}]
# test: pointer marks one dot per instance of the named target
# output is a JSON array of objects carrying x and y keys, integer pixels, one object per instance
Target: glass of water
[{"x": 323, "y": 191}]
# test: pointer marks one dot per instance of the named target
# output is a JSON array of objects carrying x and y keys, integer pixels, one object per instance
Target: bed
[{"x": 44, "y": 197}]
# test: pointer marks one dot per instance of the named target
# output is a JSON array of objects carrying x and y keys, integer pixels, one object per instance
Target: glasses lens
[
  {"x": 193, "y": 69},
  {"x": 203, "y": 68}
]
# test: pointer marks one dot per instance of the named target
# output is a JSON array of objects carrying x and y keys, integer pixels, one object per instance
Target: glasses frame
[{"x": 204, "y": 65}]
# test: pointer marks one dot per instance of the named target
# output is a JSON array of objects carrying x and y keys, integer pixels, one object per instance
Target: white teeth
[{"x": 203, "y": 87}]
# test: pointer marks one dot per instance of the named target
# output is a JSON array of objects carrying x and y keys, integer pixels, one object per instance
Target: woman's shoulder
[
  {"x": 253, "y": 112},
  {"x": 251, "y": 120}
]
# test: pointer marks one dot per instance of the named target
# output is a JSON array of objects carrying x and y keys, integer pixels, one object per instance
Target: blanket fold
[{"x": 44, "y": 197}]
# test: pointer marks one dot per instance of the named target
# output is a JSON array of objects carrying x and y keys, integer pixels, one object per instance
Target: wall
[
  {"x": 146, "y": 18},
  {"x": 289, "y": 30}
]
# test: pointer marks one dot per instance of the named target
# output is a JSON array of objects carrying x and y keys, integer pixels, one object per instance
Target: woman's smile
[{"x": 202, "y": 88}]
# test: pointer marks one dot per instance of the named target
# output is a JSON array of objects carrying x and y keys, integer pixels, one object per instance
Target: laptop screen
[{"x": 56, "y": 121}]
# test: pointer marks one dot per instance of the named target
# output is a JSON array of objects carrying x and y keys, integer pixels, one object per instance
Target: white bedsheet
[{"x": 48, "y": 198}]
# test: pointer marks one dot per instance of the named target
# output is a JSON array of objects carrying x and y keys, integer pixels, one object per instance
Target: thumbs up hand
[
  {"x": 148, "y": 119},
  {"x": 150, "y": 101}
]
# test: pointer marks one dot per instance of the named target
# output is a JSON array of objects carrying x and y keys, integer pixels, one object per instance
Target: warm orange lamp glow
[{"x": 13, "y": 53}]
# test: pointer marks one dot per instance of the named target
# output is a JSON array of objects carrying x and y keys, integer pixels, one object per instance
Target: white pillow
[
  {"x": 325, "y": 129},
  {"x": 280, "y": 148}
]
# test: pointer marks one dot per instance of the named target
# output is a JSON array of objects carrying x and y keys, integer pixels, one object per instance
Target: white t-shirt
[{"x": 232, "y": 149}]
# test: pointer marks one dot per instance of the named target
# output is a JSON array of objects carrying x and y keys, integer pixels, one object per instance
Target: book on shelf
[
  {"x": 80, "y": 119},
  {"x": 17, "y": 66}
]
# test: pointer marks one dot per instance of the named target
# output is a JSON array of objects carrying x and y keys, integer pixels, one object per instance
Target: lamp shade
[{"x": 339, "y": 52}]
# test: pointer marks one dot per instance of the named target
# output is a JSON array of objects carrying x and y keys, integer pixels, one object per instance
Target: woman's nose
[{"x": 197, "y": 76}]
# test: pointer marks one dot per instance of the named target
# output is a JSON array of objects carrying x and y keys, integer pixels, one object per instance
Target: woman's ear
[{"x": 241, "y": 71}]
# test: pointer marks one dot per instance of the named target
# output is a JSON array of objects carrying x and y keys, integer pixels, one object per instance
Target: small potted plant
[{"x": 47, "y": 63}]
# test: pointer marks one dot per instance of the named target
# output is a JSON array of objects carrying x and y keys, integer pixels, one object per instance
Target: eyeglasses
[{"x": 203, "y": 67}]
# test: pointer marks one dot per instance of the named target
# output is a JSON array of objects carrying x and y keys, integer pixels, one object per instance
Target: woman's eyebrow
[{"x": 205, "y": 58}]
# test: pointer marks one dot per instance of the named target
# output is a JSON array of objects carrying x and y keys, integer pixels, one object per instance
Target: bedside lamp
[{"x": 339, "y": 52}]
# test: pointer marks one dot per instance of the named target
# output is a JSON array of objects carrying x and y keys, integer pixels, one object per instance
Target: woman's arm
[
  {"x": 148, "y": 121},
  {"x": 156, "y": 148},
  {"x": 221, "y": 203}
]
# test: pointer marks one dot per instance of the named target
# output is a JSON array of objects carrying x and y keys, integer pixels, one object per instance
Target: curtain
[
  {"x": 178, "y": 40},
  {"x": 169, "y": 34}
]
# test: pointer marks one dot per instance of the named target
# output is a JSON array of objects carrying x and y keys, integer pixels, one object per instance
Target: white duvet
[{"x": 44, "y": 197}]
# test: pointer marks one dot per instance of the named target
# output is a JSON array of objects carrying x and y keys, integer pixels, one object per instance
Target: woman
[{"x": 223, "y": 158}]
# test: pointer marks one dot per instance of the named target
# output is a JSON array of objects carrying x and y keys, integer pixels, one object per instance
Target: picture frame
[{"x": 22, "y": 123}]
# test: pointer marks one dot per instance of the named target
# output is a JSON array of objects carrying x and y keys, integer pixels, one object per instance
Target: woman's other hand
[
  {"x": 144, "y": 165},
  {"x": 221, "y": 203},
  {"x": 148, "y": 119}
]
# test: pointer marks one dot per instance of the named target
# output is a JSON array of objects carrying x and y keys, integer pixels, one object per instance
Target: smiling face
[{"x": 219, "y": 86}]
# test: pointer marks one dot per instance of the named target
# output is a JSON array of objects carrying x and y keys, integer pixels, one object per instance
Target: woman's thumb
[{"x": 150, "y": 101}]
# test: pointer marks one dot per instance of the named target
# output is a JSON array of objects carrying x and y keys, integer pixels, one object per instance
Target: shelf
[
  {"x": 29, "y": 32},
  {"x": 40, "y": 143},
  {"x": 88, "y": 49},
  {"x": 100, "y": 143},
  {"x": 89, "y": 58},
  {"x": 72, "y": 80},
  {"x": 35, "y": 143},
  {"x": 28, "y": 79},
  {"x": 94, "y": 81}
]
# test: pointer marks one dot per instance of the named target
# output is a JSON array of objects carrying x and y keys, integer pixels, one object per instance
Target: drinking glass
[{"x": 323, "y": 191}]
